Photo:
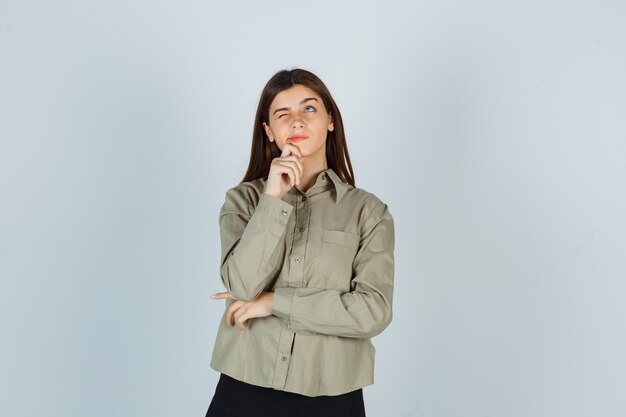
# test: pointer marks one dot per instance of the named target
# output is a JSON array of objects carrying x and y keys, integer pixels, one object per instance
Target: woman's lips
[{"x": 297, "y": 138}]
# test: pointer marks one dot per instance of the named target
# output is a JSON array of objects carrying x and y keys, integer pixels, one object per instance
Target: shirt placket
[
  {"x": 298, "y": 249},
  {"x": 295, "y": 278}
]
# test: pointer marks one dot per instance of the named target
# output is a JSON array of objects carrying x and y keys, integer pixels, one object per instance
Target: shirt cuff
[
  {"x": 275, "y": 207},
  {"x": 281, "y": 306}
]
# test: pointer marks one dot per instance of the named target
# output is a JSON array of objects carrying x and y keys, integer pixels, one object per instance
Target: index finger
[
  {"x": 222, "y": 295},
  {"x": 290, "y": 148}
]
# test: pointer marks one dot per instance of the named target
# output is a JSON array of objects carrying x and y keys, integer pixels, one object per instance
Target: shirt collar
[
  {"x": 325, "y": 180},
  {"x": 340, "y": 186}
]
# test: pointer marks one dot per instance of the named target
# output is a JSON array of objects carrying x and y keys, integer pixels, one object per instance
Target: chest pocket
[{"x": 335, "y": 264}]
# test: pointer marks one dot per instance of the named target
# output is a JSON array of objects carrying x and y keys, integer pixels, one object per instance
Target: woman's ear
[
  {"x": 268, "y": 132},
  {"x": 331, "y": 124}
]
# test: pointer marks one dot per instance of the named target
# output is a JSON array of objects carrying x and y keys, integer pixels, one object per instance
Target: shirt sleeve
[
  {"x": 362, "y": 313},
  {"x": 249, "y": 238}
]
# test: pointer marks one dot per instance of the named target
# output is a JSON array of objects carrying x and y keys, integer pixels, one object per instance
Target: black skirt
[{"x": 234, "y": 398}]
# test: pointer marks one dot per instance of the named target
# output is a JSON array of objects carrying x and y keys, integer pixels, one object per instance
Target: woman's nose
[{"x": 297, "y": 123}]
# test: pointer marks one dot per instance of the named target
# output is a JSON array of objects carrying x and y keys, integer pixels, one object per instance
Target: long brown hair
[{"x": 263, "y": 151}]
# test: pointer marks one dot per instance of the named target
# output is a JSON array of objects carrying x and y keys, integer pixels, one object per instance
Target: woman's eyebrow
[{"x": 302, "y": 102}]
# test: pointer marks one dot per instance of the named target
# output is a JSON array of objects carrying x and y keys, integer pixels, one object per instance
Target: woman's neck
[{"x": 310, "y": 173}]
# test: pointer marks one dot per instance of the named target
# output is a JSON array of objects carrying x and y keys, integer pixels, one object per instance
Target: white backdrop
[{"x": 495, "y": 133}]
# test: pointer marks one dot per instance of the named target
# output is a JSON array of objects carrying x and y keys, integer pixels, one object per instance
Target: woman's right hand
[{"x": 285, "y": 171}]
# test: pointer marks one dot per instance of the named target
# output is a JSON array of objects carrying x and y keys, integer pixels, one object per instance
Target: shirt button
[
  {"x": 284, "y": 212},
  {"x": 283, "y": 358},
  {"x": 323, "y": 176},
  {"x": 303, "y": 198},
  {"x": 297, "y": 259},
  {"x": 301, "y": 228}
]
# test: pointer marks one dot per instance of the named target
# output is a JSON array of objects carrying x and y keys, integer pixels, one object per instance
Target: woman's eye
[{"x": 307, "y": 107}]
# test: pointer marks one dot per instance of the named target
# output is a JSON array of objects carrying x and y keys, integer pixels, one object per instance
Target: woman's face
[{"x": 299, "y": 111}]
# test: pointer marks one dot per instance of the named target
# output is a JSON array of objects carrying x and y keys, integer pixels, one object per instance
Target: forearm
[
  {"x": 249, "y": 248},
  {"x": 354, "y": 314}
]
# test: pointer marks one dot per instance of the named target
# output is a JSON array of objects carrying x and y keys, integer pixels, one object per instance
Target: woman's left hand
[{"x": 240, "y": 311}]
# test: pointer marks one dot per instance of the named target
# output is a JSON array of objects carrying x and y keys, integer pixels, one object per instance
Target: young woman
[{"x": 307, "y": 259}]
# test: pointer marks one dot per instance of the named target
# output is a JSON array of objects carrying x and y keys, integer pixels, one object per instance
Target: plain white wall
[{"x": 495, "y": 133}]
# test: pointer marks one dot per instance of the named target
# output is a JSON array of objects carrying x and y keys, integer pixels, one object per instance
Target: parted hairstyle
[{"x": 263, "y": 151}]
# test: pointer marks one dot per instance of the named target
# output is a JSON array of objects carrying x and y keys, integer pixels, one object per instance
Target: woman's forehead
[{"x": 294, "y": 95}]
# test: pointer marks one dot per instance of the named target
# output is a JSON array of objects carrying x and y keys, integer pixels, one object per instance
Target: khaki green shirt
[{"x": 327, "y": 254}]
